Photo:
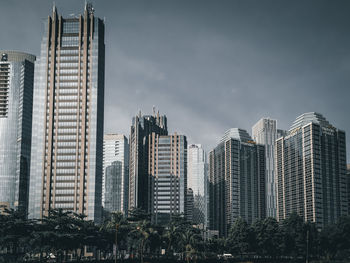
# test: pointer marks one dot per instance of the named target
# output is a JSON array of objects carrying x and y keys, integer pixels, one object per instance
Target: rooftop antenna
[{"x": 154, "y": 110}]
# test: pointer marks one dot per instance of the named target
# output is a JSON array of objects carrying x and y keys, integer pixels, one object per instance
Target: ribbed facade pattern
[
  {"x": 311, "y": 171},
  {"x": 265, "y": 132},
  {"x": 168, "y": 176},
  {"x": 66, "y": 168},
  {"x": 236, "y": 183},
  {"x": 139, "y": 180}
]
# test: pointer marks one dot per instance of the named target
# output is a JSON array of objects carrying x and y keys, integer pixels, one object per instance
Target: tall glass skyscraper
[
  {"x": 197, "y": 180},
  {"x": 114, "y": 187},
  {"x": 116, "y": 149},
  {"x": 16, "y": 103},
  {"x": 67, "y": 142},
  {"x": 265, "y": 132},
  {"x": 139, "y": 180},
  {"x": 236, "y": 181},
  {"x": 311, "y": 171},
  {"x": 168, "y": 172}
]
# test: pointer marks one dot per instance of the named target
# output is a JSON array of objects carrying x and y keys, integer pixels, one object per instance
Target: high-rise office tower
[
  {"x": 168, "y": 175},
  {"x": 265, "y": 132},
  {"x": 236, "y": 181},
  {"x": 113, "y": 193},
  {"x": 311, "y": 171},
  {"x": 67, "y": 145},
  {"x": 197, "y": 180},
  {"x": 139, "y": 179},
  {"x": 116, "y": 148},
  {"x": 16, "y": 104}
]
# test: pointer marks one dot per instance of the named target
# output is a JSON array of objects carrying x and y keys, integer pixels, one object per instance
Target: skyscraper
[
  {"x": 311, "y": 171},
  {"x": 265, "y": 132},
  {"x": 66, "y": 163},
  {"x": 16, "y": 104},
  {"x": 197, "y": 180},
  {"x": 168, "y": 176},
  {"x": 113, "y": 193},
  {"x": 139, "y": 180},
  {"x": 236, "y": 181},
  {"x": 116, "y": 148}
]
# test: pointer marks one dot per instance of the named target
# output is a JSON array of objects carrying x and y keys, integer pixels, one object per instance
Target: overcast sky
[{"x": 210, "y": 65}]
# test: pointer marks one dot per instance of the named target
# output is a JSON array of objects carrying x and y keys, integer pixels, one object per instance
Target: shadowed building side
[
  {"x": 139, "y": 180},
  {"x": 16, "y": 104},
  {"x": 311, "y": 171},
  {"x": 236, "y": 181}
]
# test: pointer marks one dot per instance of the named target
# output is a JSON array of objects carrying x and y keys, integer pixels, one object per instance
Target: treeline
[{"x": 64, "y": 235}]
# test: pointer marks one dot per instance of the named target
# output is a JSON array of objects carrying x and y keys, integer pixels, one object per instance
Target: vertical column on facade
[
  {"x": 50, "y": 92},
  {"x": 56, "y": 106},
  {"x": 77, "y": 147},
  {"x": 89, "y": 65}
]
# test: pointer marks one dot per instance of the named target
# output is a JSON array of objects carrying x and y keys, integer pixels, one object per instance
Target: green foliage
[
  {"x": 268, "y": 237},
  {"x": 241, "y": 238},
  {"x": 62, "y": 233}
]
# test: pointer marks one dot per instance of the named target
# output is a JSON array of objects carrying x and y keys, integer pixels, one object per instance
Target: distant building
[
  {"x": 311, "y": 171},
  {"x": 236, "y": 181},
  {"x": 197, "y": 180},
  {"x": 348, "y": 179},
  {"x": 116, "y": 148},
  {"x": 16, "y": 104},
  {"x": 265, "y": 132},
  {"x": 189, "y": 205},
  {"x": 139, "y": 180},
  {"x": 68, "y": 110},
  {"x": 168, "y": 176},
  {"x": 114, "y": 187}
]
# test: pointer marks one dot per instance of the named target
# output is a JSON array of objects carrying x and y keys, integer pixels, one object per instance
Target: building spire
[
  {"x": 54, "y": 9},
  {"x": 89, "y": 8}
]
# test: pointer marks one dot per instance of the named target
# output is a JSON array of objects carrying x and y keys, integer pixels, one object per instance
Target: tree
[
  {"x": 15, "y": 231},
  {"x": 268, "y": 238},
  {"x": 294, "y": 236},
  {"x": 190, "y": 240},
  {"x": 240, "y": 238},
  {"x": 172, "y": 234},
  {"x": 117, "y": 229}
]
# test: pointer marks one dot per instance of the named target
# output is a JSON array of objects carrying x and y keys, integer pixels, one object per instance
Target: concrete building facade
[
  {"x": 236, "y": 181},
  {"x": 168, "y": 176},
  {"x": 311, "y": 171},
  {"x": 67, "y": 145},
  {"x": 139, "y": 180}
]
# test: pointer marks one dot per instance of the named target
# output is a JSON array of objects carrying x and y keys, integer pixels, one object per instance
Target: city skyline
[{"x": 156, "y": 55}]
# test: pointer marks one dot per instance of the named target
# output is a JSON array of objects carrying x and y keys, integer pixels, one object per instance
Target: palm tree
[
  {"x": 146, "y": 230},
  {"x": 176, "y": 226},
  {"x": 114, "y": 224},
  {"x": 190, "y": 239}
]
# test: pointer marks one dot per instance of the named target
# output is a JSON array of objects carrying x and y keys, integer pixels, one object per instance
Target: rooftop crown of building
[
  {"x": 236, "y": 133},
  {"x": 308, "y": 117}
]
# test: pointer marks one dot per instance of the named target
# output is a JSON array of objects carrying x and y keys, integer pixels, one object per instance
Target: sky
[{"x": 210, "y": 65}]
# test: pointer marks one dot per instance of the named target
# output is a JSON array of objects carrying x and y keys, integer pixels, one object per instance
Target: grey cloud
[{"x": 211, "y": 65}]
